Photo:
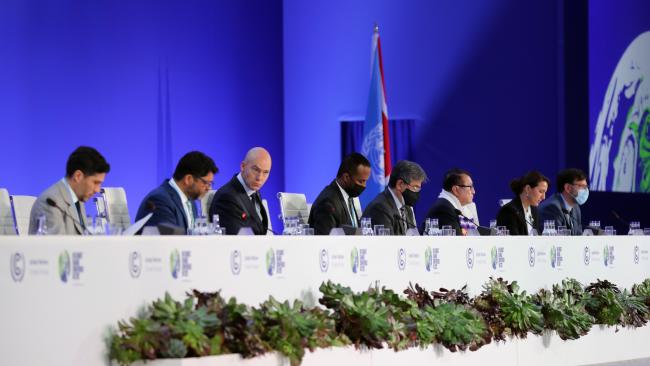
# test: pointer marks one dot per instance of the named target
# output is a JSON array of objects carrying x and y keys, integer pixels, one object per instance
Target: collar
[
  {"x": 451, "y": 198},
  {"x": 73, "y": 196},
  {"x": 565, "y": 203},
  {"x": 398, "y": 203},
  {"x": 345, "y": 194},
  {"x": 182, "y": 195},
  {"x": 241, "y": 181}
]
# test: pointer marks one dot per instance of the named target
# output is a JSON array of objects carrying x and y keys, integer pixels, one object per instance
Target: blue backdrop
[{"x": 491, "y": 85}]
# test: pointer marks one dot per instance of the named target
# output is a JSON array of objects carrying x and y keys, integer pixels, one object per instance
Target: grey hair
[{"x": 407, "y": 171}]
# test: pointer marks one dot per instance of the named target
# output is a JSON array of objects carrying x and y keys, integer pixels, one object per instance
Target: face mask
[
  {"x": 410, "y": 197},
  {"x": 355, "y": 190},
  {"x": 582, "y": 196}
]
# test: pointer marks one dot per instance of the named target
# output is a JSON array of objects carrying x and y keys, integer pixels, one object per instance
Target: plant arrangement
[{"x": 205, "y": 323}]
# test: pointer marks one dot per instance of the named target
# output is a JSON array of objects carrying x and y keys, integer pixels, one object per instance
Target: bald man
[{"x": 238, "y": 202}]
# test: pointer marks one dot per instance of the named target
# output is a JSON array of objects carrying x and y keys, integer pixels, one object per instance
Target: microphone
[
  {"x": 619, "y": 218},
  {"x": 52, "y": 203}
]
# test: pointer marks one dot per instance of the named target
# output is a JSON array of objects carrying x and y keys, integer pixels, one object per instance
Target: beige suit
[{"x": 58, "y": 222}]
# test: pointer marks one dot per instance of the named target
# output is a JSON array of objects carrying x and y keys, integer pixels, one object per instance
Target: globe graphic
[{"x": 619, "y": 156}]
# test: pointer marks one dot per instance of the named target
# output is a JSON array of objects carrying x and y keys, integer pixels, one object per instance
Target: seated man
[
  {"x": 173, "y": 201},
  {"x": 393, "y": 208},
  {"x": 563, "y": 207},
  {"x": 334, "y": 206},
  {"x": 238, "y": 202},
  {"x": 62, "y": 203},
  {"x": 457, "y": 191}
]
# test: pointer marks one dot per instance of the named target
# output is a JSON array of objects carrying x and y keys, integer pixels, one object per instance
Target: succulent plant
[
  {"x": 642, "y": 290},
  {"x": 563, "y": 309}
]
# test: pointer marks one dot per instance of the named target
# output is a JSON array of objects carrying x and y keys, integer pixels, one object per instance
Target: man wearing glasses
[
  {"x": 173, "y": 201},
  {"x": 238, "y": 202},
  {"x": 457, "y": 191},
  {"x": 393, "y": 208},
  {"x": 564, "y": 206}
]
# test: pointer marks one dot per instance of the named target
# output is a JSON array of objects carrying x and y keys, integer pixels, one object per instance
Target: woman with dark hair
[{"x": 520, "y": 215}]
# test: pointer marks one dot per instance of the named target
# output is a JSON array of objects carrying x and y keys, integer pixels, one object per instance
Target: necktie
[
  {"x": 353, "y": 212},
  {"x": 81, "y": 219},
  {"x": 410, "y": 220},
  {"x": 190, "y": 212},
  {"x": 402, "y": 214},
  {"x": 256, "y": 203}
]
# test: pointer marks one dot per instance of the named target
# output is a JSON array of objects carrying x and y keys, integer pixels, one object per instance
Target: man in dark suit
[
  {"x": 62, "y": 204},
  {"x": 457, "y": 191},
  {"x": 173, "y": 201},
  {"x": 393, "y": 207},
  {"x": 238, "y": 202},
  {"x": 335, "y": 205},
  {"x": 564, "y": 206}
]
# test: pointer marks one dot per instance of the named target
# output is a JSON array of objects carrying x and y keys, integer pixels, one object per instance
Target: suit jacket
[
  {"x": 58, "y": 223},
  {"x": 511, "y": 215},
  {"x": 237, "y": 210},
  {"x": 329, "y": 210},
  {"x": 445, "y": 212},
  {"x": 383, "y": 211},
  {"x": 167, "y": 207},
  {"x": 551, "y": 209}
]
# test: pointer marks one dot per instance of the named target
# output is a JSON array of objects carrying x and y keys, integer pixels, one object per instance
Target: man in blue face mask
[{"x": 564, "y": 206}]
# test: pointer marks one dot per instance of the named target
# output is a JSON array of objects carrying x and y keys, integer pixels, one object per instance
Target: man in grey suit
[
  {"x": 62, "y": 204},
  {"x": 564, "y": 206},
  {"x": 393, "y": 207}
]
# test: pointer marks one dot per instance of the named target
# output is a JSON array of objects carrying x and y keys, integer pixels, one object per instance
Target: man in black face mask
[
  {"x": 393, "y": 208},
  {"x": 337, "y": 205}
]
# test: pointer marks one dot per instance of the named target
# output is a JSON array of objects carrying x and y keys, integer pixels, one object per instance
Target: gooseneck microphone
[
  {"x": 619, "y": 218},
  {"x": 52, "y": 203}
]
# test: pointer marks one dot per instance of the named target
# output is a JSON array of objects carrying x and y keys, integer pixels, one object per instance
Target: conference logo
[
  {"x": 324, "y": 260},
  {"x": 175, "y": 263},
  {"x": 135, "y": 264},
  {"x": 608, "y": 255},
  {"x": 270, "y": 262},
  {"x": 235, "y": 262},
  {"x": 64, "y": 266},
  {"x": 619, "y": 156},
  {"x": 469, "y": 258},
  {"x": 401, "y": 259},
  {"x": 354, "y": 260},
  {"x": 531, "y": 257},
  {"x": 636, "y": 254},
  {"x": 556, "y": 257},
  {"x": 179, "y": 263},
  {"x": 17, "y": 266},
  {"x": 586, "y": 256},
  {"x": 497, "y": 258},
  {"x": 428, "y": 259}
]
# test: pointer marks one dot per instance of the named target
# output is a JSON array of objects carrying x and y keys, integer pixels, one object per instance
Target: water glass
[
  {"x": 447, "y": 230},
  {"x": 385, "y": 231},
  {"x": 378, "y": 229},
  {"x": 609, "y": 230},
  {"x": 646, "y": 231},
  {"x": 42, "y": 225}
]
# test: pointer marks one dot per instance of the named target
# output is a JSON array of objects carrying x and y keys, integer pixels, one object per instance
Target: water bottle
[
  {"x": 366, "y": 226},
  {"x": 42, "y": 225},
  {"x": 635, "y": 228},
  {"x": 434, "y": 228},
  {"x": 549, "y": 228}
]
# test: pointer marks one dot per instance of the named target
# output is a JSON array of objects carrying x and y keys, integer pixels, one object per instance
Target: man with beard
[
  {"x": 564, "y": 206},
  {"x": 335, "y": 205},
  {"x": 393, "y": 208},
  {"x": 173, "y": 201}
]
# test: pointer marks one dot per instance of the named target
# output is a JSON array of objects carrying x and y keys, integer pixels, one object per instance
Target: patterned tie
[
  {"x": 353, "y": 212},
  {"x": 190, "y": 223},
  {"x": 81, "y": 220},
  {"x": 402, "y": 213},
  {"x": 257, "y": 204}
]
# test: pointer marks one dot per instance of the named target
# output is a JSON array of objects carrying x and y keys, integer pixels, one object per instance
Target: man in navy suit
[
  {"x": 564, "y": 206},
  {"x": 173, "y": 201},
  {"x": 238, "y": 202},
  {"x": 457, "y": 191}
]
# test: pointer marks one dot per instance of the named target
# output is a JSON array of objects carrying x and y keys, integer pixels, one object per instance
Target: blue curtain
[{"x": 401, "y": 138}]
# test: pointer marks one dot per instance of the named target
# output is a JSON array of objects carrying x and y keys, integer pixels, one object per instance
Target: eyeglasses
[
  {"x": 207, "y": 183},
  {"x": 583, "y": 186},
  {"x": 471, "y": 187},
  {"x": 414, "y": 188}
]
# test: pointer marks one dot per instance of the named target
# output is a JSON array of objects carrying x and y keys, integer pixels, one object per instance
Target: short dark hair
[
  {"x": 407, "y": 171},
  {"x": 88, "y": 160},
  {"x": 196, "y": 164},
  {"x": 532, "y": 179},
  {"x": 569, "y": 176},
  {"x": 453, "y": 178},
  {"x": 350, "y": 164}
]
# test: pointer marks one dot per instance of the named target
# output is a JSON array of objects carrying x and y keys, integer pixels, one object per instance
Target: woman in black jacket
[{"x": 520, "y": 215}]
